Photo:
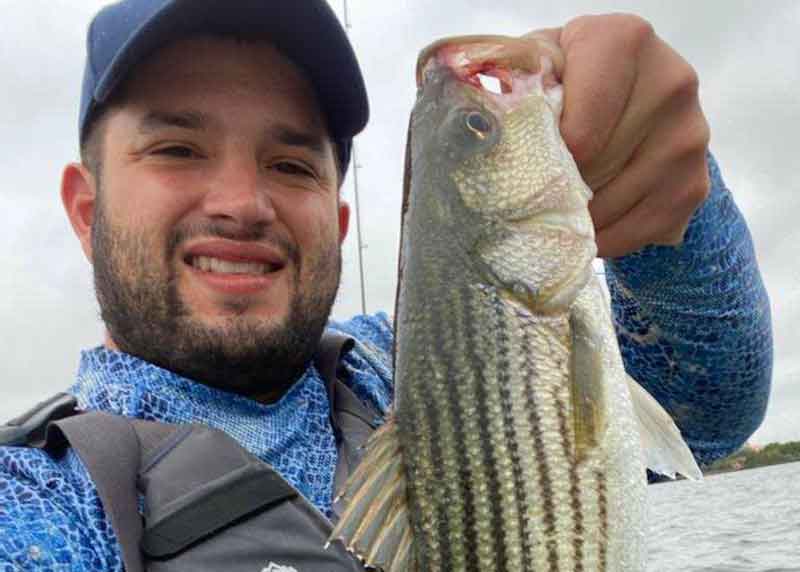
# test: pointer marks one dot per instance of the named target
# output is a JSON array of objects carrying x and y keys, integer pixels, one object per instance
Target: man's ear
[
  {"x": 79, "y": 195},
  {"x": 344, "y": 220}
]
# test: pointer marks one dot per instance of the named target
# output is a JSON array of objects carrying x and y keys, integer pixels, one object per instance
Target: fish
[{"x": 516, "y": 442}]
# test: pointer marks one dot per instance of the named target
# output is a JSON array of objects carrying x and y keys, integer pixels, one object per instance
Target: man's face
[{"x": 216, "y": 232}]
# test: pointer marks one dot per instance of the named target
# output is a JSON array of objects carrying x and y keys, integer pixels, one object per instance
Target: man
[{"x": 214, "y": 140}]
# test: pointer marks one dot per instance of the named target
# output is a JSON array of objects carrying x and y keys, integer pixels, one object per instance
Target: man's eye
[
  {"x": 178, "y": 151},
  {"x": 290, "y": 168}
]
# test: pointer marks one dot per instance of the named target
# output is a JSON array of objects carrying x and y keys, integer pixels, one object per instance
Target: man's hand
[{"x": 633, "y": 122}]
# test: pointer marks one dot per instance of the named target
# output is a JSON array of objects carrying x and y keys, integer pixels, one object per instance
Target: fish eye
[{"x": 478, "y": 124}]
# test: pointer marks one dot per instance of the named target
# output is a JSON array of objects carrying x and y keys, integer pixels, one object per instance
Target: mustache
[{"x": 231, "y": 230}]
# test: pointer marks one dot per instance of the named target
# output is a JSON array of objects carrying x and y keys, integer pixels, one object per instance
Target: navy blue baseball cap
[{"x": 308, "y": 32}]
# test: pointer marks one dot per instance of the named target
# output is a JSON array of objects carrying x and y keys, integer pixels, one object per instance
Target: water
[{"x": 747, "y": 521}]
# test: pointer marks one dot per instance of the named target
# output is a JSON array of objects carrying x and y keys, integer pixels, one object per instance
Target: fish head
[{"x": 508, "y": 193}]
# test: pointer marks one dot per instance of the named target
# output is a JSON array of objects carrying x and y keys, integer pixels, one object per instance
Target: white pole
[{"x": 356, "y": 166}]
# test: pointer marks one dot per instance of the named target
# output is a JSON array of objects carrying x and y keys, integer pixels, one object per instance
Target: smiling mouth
[{"x": 220, "y": 266}]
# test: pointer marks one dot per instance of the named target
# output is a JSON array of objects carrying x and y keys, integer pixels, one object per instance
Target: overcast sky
[{"x": 747, "y": 55}]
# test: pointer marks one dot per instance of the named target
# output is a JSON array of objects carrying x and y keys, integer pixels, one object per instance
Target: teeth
[{"x": 210, "y": 264}]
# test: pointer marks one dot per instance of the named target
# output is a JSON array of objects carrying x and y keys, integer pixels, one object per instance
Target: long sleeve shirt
[{"x": 693, "y": 325}]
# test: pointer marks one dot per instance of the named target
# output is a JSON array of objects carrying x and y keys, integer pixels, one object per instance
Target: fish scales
[
  {"x": 509, "y": 433},
  {"x": 513, "y": 415}
]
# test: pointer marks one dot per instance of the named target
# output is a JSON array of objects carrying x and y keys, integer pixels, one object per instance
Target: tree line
[{"x": 750, "y": 457}]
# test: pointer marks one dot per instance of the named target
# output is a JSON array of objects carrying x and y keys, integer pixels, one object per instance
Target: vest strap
[
  {"x": 109, "y": 448},
  {"x": 30, "y": 428}
]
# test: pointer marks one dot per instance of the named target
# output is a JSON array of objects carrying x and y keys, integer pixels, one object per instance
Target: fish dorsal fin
[
  {"x": 403, "y": 210},
  {"x": 665, "y": 451},
  {"x": 375, "y": 524}
]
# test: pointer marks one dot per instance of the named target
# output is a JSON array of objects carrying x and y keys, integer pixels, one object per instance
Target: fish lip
[
  {"x": 523, "y": 67},
  {"x": 500, "y": 56},
  {"x": 439, "y": 49}
]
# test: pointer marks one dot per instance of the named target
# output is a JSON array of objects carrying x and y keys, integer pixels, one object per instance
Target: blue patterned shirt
[
  {"x": 51, "y": 517},
  {"x": 693, "y": 324},
  {"x": 695, "y": 329}
]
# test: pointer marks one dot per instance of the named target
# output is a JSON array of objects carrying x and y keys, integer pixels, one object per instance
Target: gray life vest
[{"x": 208, "y": 503}]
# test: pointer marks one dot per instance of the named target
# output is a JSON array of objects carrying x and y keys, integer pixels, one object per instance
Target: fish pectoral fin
[
  {"x": 587, "y": 389},
  {"x": 375, "y": 525},
  {"x": 665, "y": 451}
]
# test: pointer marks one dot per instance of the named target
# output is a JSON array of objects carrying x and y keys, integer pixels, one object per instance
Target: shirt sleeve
[
  {"x": 369, "y": 364},
  {"x": 48, "y": 520},
  {"x": 694, "y": 326}
]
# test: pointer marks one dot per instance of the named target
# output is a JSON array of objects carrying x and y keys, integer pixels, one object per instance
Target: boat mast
[{"x": 356, "y": 167}]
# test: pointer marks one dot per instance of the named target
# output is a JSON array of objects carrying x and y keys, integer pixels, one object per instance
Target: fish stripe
[
  {"x": 434, "y": 411},
  {"x": 545, "y": 484},
  {"x": 558, "y": 406},
  {"x": 512, "y": 439},
  {"x": 559, "y": 470},
  {"x": 463, "y": 480},
  {"x": 529, "y": 456},
  {"x": 440, "y": 532},
  {"x": 416, "y": 484},
  {"x": 602, "y": 500},
  {"x": 574, "y": 491},
  {"x": 481, "y": 382},
  {"x": 481, "y": 550},
  {"x": 420, "y": 472},
  {"x": 577, "y": 511},
  {"x": 456, "y": 512}
]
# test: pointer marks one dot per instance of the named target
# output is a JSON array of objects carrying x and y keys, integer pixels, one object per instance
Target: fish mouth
[{"x": 511, "y": 61}]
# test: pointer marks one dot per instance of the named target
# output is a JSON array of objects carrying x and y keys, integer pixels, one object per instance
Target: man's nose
[{"x": 240, "y": 192}]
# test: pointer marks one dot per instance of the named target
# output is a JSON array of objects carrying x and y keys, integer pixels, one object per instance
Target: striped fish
[{"x": 516, "y": 441}]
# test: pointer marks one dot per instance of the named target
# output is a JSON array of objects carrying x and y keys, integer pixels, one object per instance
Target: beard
[{"x": 146, "y": 317}]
